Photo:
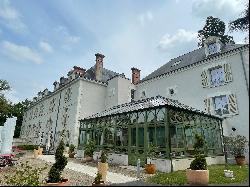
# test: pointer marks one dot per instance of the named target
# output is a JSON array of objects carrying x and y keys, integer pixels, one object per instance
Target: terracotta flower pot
[
  {"x": 71, "y": 155},
  {"x": 240, "y": 160},
  {"x": 103, "y": 169},
  {"x": 150, "y": 168},
  {"x": 40, "y": 151},
  {"x": 64, "y": 182},
  {"x": 197, "y": 177}
]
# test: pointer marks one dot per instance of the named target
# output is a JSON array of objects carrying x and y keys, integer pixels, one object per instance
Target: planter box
[
  {"x": 118, "y": 159},
  {"x": 163, "y": 165},
  {"x": 79, "y": 154}
]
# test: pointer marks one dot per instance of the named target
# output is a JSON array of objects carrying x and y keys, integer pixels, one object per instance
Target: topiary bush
[
  {"x": 89, "y": 148},
  {"x": 104, "y": 156},
  {"x": 199, "y": 163},
  {"x": 55, "y": 172}
]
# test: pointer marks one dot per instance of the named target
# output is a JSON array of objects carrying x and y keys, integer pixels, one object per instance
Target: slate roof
[
  {"x": 188, "y": 59},
  {"x": 144, "y": 104},
  {"x": 106, "y": 74}
]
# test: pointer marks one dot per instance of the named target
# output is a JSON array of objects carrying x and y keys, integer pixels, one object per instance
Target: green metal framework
[{"x": 169, "y": 128}]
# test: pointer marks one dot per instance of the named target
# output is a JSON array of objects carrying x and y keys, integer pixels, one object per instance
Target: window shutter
[
  {"x": 204, "y": 79},
  {"x": 227, "y": 72},
  {"x": 232, "y": 104},
  {"x": 207, "y": 102}
]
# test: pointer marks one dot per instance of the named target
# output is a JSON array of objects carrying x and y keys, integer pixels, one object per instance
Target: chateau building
[{"x": 213, "y": 79}]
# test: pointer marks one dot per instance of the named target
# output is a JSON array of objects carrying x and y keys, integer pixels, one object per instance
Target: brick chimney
[
  {"x": 135, "y": 75},
  {"x": 79, "y": 70},
  {"x": 99, "y": 66}
]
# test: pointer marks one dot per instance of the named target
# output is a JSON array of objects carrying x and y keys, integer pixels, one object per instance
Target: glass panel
[
  {"x": 122, "y": 136},
  {"x": 141, "y": 117},
  {"x": 151, "y": 116},
  {"x": 133, "y": 117},
  {"x": 173, "y": 137},
  {"x": 82, "y": 137},
  {"x": 180, "y": 137},
  {"x": 217, "y": 76},
  {"x": 189, "y": 137},
  {"x": 221, "y": 105},
  {"x": 109, "y": 136},
  {"x": 151, "y": 134},
  {"x": 141, "y": 137},
  {"x": 160, "y": 114},
  {"x": 99, "y": 136},
  {"x": 133, "y": 136},
  {"x": 160, "y": 136}
]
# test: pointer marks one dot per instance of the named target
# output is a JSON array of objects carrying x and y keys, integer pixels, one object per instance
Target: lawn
[{"x": 216, "y": 176}]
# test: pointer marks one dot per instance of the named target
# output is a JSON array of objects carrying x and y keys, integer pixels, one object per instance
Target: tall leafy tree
[
  {"x": 242, "y": 23},
  {"x": 17, "y": 111},
  {"x": 5, "y": 105},
  {"x": 214, "y": 27}
]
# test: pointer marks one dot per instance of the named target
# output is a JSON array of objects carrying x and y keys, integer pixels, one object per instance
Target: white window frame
[{"x": 210, "y": 76}]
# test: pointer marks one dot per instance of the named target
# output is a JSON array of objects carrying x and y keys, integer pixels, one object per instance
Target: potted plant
[
  {"x": 55, "y": 173},
  {"x": 89, "y": 150},
  {"x": 236, "y": 144},
  {"x": 151, "y": 153},
  {"x": 103, "y": 165},
  {"x": 98, "y": 181},
  {"x": 72, "y": 151},
  {"x": 198, "y": 174}
]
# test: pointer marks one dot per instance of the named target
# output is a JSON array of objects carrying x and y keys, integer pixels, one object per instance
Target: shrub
[
  {"x": 27, "y": 147},
  {"x": 199, "y": 163},
  {"x": 236, "y": 144},
  {"x": 71, "y": 148},
  {"x": 104, "y": 157},
  {"x": 25, "y": 175},
  {"x": 55, "y": 172},
  {"x": 98, "y": 178},
  {"x": 89, "y": 148}
]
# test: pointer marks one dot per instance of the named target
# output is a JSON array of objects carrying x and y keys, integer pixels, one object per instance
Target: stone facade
[{"x": 80, "y": 96}]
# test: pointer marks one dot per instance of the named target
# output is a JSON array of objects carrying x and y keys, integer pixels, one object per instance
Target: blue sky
[{"x": 40, "y": 41}]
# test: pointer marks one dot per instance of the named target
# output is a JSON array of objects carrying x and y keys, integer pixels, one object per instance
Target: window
[
  {"x": 217, "y": 76},
  {"x": 221, "y": 105},
  {"x": 212, "y": 48},
  {"x": 143, "y": 94},
  {"x": 132, "y": 95}
]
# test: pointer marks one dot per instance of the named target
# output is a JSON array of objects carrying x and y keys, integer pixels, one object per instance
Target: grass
[{"x": 216, "y": 176}]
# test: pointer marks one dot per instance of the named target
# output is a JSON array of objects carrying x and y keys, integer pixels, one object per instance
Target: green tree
[
  {"x": 4, "y": 85},
  {"x": 5, "y": 105},
  {"x": 242, "y": 23},
  {"x": 214, "y": 27},
  {"x": 17, "y": 111}
]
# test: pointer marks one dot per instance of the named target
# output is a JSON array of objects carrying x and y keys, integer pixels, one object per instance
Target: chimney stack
[
  {"x": 99, "y": 66},
  {"x": 135, "y": 75}
]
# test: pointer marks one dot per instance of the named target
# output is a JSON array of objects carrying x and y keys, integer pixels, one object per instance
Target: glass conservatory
[{"x": 128, "y": 129}]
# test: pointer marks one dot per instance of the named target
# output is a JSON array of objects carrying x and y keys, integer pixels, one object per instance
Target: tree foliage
[
  {"x": 4, "y": 85},
  {"x": 214, "y": 27},
  {"x": 241, "y": 23}
]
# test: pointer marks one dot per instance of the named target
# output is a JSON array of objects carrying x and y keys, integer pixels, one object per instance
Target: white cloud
[
  {"x": 10, "y": 17},
  {"x": 145, "y": 17},
  {"x": 223, "y": 9},
  {"x": 45, "y": 46},
  {"x": 183, "y": 41},
  {"x": 20, "y": 53}
]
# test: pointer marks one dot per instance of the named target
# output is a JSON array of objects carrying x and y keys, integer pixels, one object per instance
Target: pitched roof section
[
  {"x": 106, "y": 74},
  {"x": 188, "y": 59},
  {"x": 144, "y": 104}
]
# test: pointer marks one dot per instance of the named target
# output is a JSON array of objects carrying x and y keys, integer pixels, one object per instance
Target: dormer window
[{"x": 212, "y": 48}]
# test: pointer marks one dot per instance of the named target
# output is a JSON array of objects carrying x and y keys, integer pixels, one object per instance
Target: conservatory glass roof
[{"x": 144, "y": 104}]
